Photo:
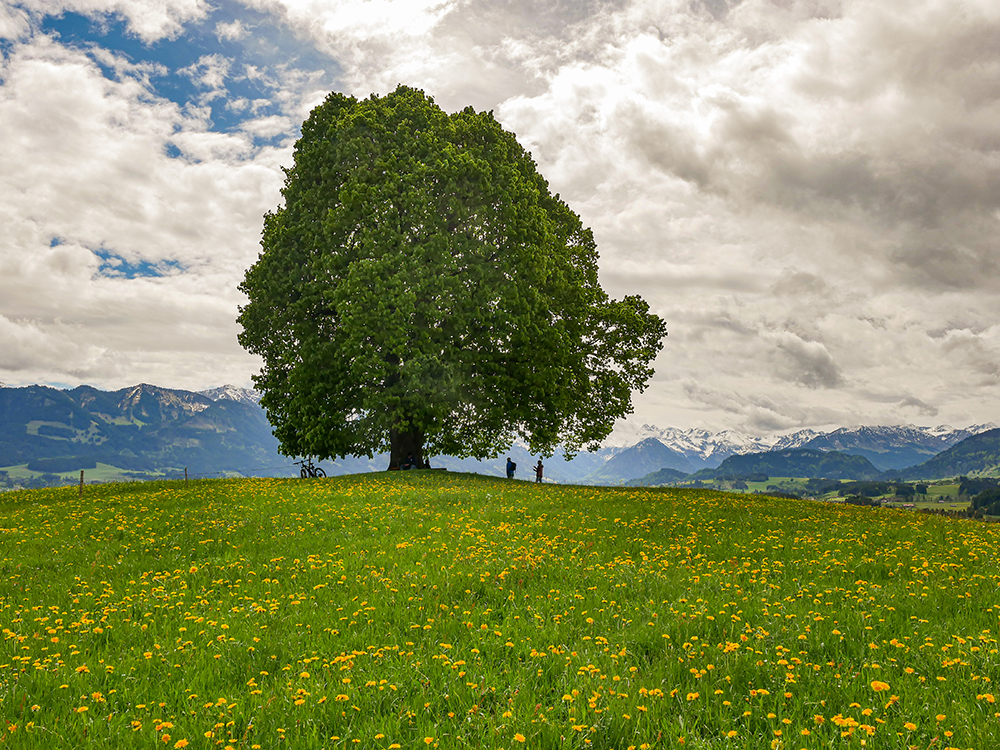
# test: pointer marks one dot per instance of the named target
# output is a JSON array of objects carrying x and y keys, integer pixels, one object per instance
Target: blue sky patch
[
  {"x": 115, "y": 266},
  {"x": 265, "y": 46}
]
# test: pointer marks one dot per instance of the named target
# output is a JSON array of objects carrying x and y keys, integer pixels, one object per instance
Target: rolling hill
[
  {"x": 798, "y": 462},
  {"x": 978, "y": 455},
  {"x": 660, "y": 478}
]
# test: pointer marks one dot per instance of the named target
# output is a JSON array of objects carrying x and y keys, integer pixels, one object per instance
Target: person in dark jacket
[
  {"x": 538, "y": 471},
  {"x": 511, "y": 466}
]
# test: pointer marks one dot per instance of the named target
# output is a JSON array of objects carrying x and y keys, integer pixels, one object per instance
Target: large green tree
[{"x": 422, "y": 290}]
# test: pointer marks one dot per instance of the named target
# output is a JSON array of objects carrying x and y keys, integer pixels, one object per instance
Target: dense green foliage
[
  {"x": 866, "y": 489},
  {"x": 390, "y": 611},
  {"x": 975, "y": 485},
  {"x": 421, "y": 288},
  {"x": 987, "y": 502}
]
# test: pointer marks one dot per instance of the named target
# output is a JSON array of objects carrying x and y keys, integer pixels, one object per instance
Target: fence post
[
  {"x": 185, "y": 475},
  {"x": 81, "y": 482}
]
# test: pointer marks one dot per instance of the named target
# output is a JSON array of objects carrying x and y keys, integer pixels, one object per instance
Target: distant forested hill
[
  {"x": 659, "y": 478},
  {"x": 798, "y": 462},
  {"x": 976, "y": 455}
]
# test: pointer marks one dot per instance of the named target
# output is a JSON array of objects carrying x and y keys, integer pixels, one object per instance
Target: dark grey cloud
[
  {"x": 938, "y": 260},
  {"x": 923, "y": 409},
  {"x": 806, "y": 362}
]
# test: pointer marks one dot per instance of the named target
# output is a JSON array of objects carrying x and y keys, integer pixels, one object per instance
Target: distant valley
[
  {"x": 137, "y": 432},
  {"x": 145, "y": 431}
]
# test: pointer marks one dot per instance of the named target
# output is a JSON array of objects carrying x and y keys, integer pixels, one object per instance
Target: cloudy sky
[{"x": 808, "y": 191}]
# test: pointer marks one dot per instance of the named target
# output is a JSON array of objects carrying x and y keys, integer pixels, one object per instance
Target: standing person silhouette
[
  {"x": 511, "y": 466},
  {"x": 538, "y": 471}
]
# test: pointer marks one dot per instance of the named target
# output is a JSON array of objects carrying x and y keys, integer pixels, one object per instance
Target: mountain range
[
  {"x": 886, "y": 447},
  {"x": 978, "y": 454},
  {"x": 142, "y": 429},
  {"x": 149, "y": 429}
]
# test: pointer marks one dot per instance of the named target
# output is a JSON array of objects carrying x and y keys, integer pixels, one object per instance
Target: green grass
[
  {"x": 921, "y": 503},
  {"x": 947, "y": 491},
  {"x": 430, "y": 609},
  {"x": 787, "y": 484}
]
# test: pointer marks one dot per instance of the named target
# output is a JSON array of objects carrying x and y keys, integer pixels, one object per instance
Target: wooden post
[
  {"x": 185, "y": 475},
  {"x": 81, "y": 482}
]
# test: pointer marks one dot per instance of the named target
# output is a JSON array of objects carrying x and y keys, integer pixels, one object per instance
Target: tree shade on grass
[{"x": 421, "y": 290}]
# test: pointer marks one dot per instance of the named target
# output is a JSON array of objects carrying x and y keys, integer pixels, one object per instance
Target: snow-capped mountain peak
[
  {"x": 892, "y": 446},
  {"x": 233, "y": 393}
]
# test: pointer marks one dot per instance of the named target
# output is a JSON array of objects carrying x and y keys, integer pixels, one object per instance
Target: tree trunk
[{"x": 404, "y": 442}]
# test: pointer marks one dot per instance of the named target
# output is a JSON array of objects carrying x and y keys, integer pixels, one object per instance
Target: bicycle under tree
[{"x": 309, "y": 470}]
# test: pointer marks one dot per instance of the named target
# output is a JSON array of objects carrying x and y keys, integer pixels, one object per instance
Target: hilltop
[{"x": 408, "y": 609}]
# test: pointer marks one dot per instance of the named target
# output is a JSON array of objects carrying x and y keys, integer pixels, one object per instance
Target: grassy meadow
[{"x": 426, "y": 609}]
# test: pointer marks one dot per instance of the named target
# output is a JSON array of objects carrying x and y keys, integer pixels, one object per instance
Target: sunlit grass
[{"x": 427, "y": 609}]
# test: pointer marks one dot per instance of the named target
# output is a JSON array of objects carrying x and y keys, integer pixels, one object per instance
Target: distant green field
[
  {"x": 428, "y": 609},
  {"x": 942, "y": 491},
  {"x": 102, "y": 473},
  {"x": 789, "y": 484}
]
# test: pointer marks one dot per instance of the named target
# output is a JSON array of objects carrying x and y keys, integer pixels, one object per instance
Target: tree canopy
[{"x": 422, "y": 290}]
